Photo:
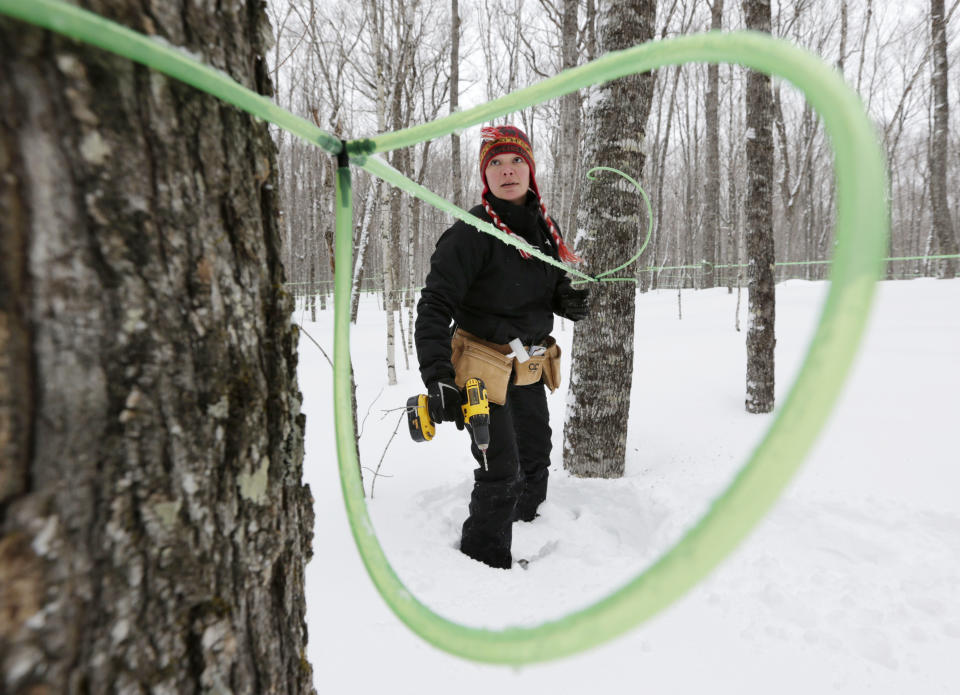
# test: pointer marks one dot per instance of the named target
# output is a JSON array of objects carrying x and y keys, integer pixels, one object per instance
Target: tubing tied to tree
[
  {"x": 862, "y": 226},
  {"x": 602, "y": 277}
]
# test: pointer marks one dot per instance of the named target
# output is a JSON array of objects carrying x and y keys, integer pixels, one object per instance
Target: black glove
[
  {"x": 573, "y": 304},
  {"x": 444, "y": 402}
]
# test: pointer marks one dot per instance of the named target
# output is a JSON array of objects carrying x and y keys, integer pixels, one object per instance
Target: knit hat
[
  {"x": 503, "y": 139},
  {"x": 510, "y": 139}
]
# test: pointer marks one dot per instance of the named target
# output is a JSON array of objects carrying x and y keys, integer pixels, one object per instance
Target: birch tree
[
  {"x": 595, "y": 432},
  {"x": 382, "y": 62},
  {"x": 370, "y": 212}
]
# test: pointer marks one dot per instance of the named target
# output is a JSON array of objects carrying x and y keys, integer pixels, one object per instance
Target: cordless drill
[{"x": 476, "y": 413}]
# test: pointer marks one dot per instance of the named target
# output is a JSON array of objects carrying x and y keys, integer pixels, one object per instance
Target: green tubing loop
[
  {"x": 603, "y": 277},
  {"x": 646, "y": 199},
  {"x": 862, "y": 226},
  {"x": 342, "y": 392}
]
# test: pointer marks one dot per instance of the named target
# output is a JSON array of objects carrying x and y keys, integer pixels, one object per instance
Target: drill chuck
[{"x": 480, "y": 424}]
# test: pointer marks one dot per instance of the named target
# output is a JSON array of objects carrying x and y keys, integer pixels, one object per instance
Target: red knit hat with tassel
[{"x": 507, "y": 138}]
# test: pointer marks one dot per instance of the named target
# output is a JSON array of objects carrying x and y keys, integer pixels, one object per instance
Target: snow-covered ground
[{"x": 851, "y": 584}]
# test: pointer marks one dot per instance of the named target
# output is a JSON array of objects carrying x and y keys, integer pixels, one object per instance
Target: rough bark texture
[
  {"x": 567, "y": 169},
  {"x": 596, "y": 428},
  {"x": 457, "y": 174},
  {"x": 711, "y": 208},
  {"x": 939, "y": 145},
  {"x": 153, "y": 523},
  {"x": 761, "y": 338},
  {"x": 844, "y": 24}
]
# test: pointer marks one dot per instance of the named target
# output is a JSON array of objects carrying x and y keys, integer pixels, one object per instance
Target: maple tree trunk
[
  {"x": 761, "y": 338},
  {"x": 153, "y": 523},
  {"x": 595, "y": 433}
]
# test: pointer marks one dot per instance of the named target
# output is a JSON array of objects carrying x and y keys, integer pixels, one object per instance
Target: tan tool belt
[{"x": 476, "y": 357}]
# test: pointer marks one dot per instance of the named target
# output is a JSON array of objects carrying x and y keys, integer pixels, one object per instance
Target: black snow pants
[{"x": 515, "y": 480}]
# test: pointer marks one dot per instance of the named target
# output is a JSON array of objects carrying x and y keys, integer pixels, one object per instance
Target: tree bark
[
  {"x": 569, "y": 150},
  {"x": 314, "y": 289},
  {"x": 863, "y": 49},
  {"x": 734, "y": 208},
  {"x": 153, "y": 523},
  {"x": 455, "y": 101},
  {"x": 590, "y": 30},
  {"x": 375, "y": 15},
  {"x": 939, "y": 145},
  {"x": 761, "y": 338},
  {"x": 369, "y": 214},
  {"x": 389, "y": 303},
  {"x": 842, "y": 54},
  {"x": 711, "y": 216},
  {"x": 601, "y": 376},
  {"x": 662, "y": 147}
]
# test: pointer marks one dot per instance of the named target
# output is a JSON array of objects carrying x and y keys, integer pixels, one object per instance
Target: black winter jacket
[{"x": 486, "y": 287}]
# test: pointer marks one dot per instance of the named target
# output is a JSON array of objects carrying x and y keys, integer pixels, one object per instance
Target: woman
[{"x": 494, "y": 293}]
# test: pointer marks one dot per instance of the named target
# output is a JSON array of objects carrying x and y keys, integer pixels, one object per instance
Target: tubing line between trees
[{"x": 861, "y": 240}]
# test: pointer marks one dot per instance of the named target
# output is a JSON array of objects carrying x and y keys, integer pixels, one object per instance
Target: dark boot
[
  {"x": 533, "y": 495},
  {"x": 488, "y": 532}
]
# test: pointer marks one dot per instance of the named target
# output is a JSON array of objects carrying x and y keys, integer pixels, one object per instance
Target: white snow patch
[{"x": 848, "y": 585}]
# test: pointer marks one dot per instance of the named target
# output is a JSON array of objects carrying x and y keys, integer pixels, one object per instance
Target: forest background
[
  {"x": 382, "y": 65},
  {"x": 154, "y": 522}
]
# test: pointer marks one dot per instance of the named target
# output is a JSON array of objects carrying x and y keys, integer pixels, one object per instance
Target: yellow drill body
[{"x": 476, "y": 413}]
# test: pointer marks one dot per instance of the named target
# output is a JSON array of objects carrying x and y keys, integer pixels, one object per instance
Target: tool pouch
[
  {"x": 551, "y": 364},
  {"x": 545, "y": 366},
  {"x": 529, "y": 372},
  {"x": 474, "y": 357}
]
